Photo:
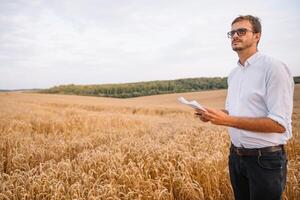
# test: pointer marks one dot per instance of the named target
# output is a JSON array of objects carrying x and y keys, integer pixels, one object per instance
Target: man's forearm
[
  {"x": 262, "y": 124},
  {"x": 255, "y": 124}
]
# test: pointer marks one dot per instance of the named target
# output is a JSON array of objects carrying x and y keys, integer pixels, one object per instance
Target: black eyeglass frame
[{"x": 240, "y": 32}]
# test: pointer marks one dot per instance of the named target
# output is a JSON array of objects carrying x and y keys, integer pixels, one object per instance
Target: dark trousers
[{"x": 258, "y": 177}]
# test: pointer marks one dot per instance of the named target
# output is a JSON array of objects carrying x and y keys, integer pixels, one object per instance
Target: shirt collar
[{"x": 251, "y": 60}]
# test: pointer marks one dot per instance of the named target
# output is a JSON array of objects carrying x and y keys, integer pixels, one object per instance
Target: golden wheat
[{"x": 69, "y": 147}]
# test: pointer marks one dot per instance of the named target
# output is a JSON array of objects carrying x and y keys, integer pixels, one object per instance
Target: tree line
[
  {"x": 127, "y": 90},
  {"x": 297, "y": 79}
]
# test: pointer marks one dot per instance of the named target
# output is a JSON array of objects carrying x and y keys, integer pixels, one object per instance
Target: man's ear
[{"x": 257, "y": 35}]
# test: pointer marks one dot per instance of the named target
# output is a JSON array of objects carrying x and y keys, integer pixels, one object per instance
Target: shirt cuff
[{"x": 279, "y": 120}]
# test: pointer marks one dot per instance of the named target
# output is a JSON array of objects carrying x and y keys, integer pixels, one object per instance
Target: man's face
[{"x": 246, "y": 40}]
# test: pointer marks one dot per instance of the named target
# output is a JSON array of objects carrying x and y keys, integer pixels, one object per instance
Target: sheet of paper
[{"x": 194, "y": 104}]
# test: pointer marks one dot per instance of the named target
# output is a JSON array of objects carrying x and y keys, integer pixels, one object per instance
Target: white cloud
[{"x": 46, "y": 43}]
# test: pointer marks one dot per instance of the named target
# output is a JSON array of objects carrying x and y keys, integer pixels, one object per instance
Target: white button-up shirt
[{"x": 263, "y": 87}]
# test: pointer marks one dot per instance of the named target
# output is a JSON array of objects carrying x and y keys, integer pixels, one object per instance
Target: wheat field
[{"x": 72, "y": 147}]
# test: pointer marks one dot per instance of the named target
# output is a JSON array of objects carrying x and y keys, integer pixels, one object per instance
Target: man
[{"x": 258, "y": 113}]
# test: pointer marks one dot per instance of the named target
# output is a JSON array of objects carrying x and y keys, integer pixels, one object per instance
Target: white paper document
[{"x": 194, "y": 104}]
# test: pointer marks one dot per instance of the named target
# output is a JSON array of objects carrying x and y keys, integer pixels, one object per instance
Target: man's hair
[{"x": 254, "y": 21}]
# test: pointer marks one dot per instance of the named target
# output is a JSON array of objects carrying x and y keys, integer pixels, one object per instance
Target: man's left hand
[{"x": 217, "y": 117}]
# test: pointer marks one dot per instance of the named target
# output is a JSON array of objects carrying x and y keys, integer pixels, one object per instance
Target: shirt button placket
[{"x": 239, "y": 96}]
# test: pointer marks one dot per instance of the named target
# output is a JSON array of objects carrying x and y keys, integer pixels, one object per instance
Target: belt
[{"x": 255, "y": 152}]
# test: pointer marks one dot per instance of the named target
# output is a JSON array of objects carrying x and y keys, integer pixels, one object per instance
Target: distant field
[{"x": 73, "y": 147}]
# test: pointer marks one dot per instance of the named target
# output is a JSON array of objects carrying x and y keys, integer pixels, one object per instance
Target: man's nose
[{"x": 235, "y": 35}]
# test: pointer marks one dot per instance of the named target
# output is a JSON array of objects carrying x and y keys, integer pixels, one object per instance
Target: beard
[
  {"x": 238, "y": 48},
  {"x": 241, "y": 47}
]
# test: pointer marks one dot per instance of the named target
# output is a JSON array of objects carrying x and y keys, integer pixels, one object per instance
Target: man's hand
[
  {"x": 200, "y": 113},
  {"x": 218, "y": 117}
]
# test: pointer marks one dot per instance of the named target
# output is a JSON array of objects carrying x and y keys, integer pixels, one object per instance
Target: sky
[{"x": 45, "y": 43}]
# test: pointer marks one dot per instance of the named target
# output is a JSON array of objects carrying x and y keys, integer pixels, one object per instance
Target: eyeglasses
[{"x": 240, "y": 32}]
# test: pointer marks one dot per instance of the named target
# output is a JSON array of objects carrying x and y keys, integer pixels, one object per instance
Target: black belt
[{"x": 255, "y": 152}]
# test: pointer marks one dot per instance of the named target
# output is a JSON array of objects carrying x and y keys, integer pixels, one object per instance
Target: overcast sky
[{"x": 54, "y": 42}]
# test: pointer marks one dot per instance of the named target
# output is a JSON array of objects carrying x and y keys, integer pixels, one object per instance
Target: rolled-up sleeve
[{"x": 279, "y": 94}]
